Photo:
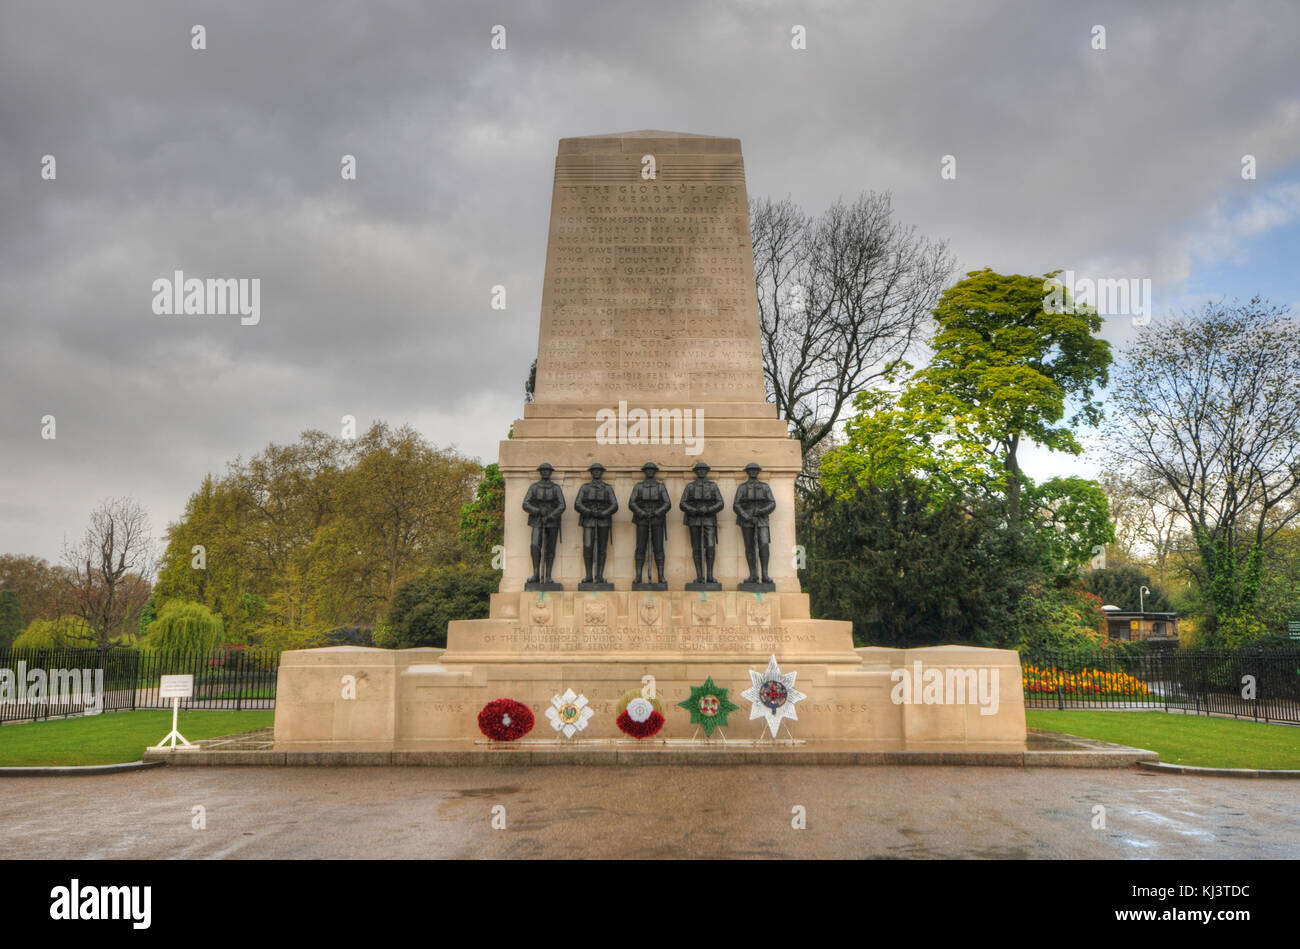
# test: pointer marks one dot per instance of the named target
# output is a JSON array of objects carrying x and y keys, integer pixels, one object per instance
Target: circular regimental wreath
[
  {"x": 505, "y": 720},
  {"x": 709, "y": 706},
  {"x": 638, "y": 716}
]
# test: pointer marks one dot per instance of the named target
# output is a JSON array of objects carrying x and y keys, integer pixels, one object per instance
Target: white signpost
[{"x": 175, "y": 688}]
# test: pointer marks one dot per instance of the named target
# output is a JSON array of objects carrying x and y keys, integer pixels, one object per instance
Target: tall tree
[
  {"x": 315, "y": 535},
  {"x": 1206, "y": 406},
  {"x": 1006, "y": 370},
  {"x": 107, "y": 577},
  {"x": 841, "y": 299},
  {"x": 406, "y": 499},
  {"x": 36, "y": 583}
]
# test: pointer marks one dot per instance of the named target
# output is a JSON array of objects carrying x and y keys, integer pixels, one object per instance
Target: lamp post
[{"x": 1142, "y": 602}]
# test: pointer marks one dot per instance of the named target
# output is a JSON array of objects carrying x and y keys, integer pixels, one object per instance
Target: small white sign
[{"x": 176, "y": 687}]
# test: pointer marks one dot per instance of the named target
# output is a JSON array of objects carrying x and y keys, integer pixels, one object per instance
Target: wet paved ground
[{"x": 648, "y": 812}]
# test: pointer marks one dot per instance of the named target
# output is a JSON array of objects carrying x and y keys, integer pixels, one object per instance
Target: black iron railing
[
  {"x": 1256, "y": 684},
  {"x": 48, "y": 683}
]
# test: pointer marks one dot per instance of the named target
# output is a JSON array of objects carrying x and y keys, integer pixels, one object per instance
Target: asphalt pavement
[{"x": 648, "y": 812}]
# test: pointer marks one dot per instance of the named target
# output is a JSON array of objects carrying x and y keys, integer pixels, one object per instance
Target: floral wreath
[
  {"x": 569, "y": 713},
  {"x": 505, "y": 720},
  {"x": 709, "y": 706},
  {"x": 638, "y": 716}
]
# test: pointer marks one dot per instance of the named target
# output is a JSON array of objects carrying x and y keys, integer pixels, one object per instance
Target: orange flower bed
[{"x": 1085, "y": 682}]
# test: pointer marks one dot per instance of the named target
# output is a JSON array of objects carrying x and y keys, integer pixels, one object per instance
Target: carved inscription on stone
[
  {"x": 650, "y": 290},
  {"x": 724, "y": 639}
]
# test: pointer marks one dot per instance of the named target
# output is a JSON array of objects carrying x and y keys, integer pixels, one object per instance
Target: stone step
[
  {"x": 668, "y": 427},
  {"x": 723, "y": 454},
  {"x": 589, "y": 409}
]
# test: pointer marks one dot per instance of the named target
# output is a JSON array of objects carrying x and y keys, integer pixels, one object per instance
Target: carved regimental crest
[
  {"x": 541, "y": 612},
  {"x": 650, "y": 611},
  {"x": 704, "y": 612},
  {"x": 595, "y": 613},
  {"x": 760, "y": 613}
]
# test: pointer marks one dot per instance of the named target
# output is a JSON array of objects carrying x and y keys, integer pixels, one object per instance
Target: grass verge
[
  {"x": 1183, "y": 739},
  {"x": 113, "y": 737}
]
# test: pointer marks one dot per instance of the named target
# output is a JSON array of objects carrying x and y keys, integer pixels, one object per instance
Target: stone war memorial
[{"x": 649, "y": 567}]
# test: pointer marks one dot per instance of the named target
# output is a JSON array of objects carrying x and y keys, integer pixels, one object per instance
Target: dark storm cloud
[{"x": 375, "y": 293}]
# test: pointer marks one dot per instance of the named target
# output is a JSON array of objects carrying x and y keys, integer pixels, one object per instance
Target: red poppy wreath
[
  {"x": 505, "y": 720},
  {"x": 638, "y": 716}
]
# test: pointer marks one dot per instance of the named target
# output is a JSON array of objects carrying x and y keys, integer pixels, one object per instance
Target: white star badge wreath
[
  {"x": 569, "y": 713},
  {"x": 773, "y": 696}
]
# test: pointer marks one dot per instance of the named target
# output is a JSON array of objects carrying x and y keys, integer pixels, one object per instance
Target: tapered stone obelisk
[{"x": 650, "y": 317}]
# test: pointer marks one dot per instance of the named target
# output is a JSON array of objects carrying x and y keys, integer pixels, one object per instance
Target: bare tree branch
[{"x": 842, "y": 299}]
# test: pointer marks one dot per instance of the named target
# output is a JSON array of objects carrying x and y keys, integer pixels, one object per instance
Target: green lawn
[
  {"x": 114, "y": 736},
  {"x": 1183, "y": 739}
]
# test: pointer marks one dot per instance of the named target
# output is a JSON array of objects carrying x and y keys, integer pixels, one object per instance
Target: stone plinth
[{"x": 604, "y": 644}]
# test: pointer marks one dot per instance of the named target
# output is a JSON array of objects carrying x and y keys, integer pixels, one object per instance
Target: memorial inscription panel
[
  {"x": 649, "y": 290},
  {"x": 632, "y": 638}
]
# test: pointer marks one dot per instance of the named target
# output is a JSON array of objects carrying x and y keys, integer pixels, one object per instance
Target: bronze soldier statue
[
  {"x": 650, "y": 505},
  {"x": 753, "y": 503},
  {"x": 544, "y": 503},
  {"x": 596, "y": 506},
  {"x": 701, "y": 501}
]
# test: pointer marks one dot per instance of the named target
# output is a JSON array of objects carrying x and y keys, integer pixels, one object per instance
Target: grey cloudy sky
[{"x": 375, "y": 292}]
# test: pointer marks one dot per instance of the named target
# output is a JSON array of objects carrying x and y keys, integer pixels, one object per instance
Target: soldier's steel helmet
[
  {"x": 595, "y": 466},
  {"x": 649, "y": 466},
  {"x": 753, "y": 466},
  {"x": 546, "y": 466},
  {"x": 700, "y": 464}
]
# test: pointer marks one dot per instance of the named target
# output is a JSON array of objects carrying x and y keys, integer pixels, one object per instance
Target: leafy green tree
[
  {"x": 306, "y": 538},
  {"x": 1071, "y": 519},
  {"x": 1061, "y": 618},
  {"x": 148, "y": 615},
  {"x": 913, "y": 568},
  {"x": 185, "y": 627},
  {"x": 1206, "y": 408},
  {"x": 1279, "y": 594},
  {"x": 66, "y": 631},
  {"x": 404, "y": 500},
  {"x": 36, "y": 582},
  {"x": 1006, "y": 369},
  {"x": 423, "y": 606},
  {"x": 482, "y": 521},
  {"x": 11, "y": 617},
  {"x": 1121, "y": 585}
]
